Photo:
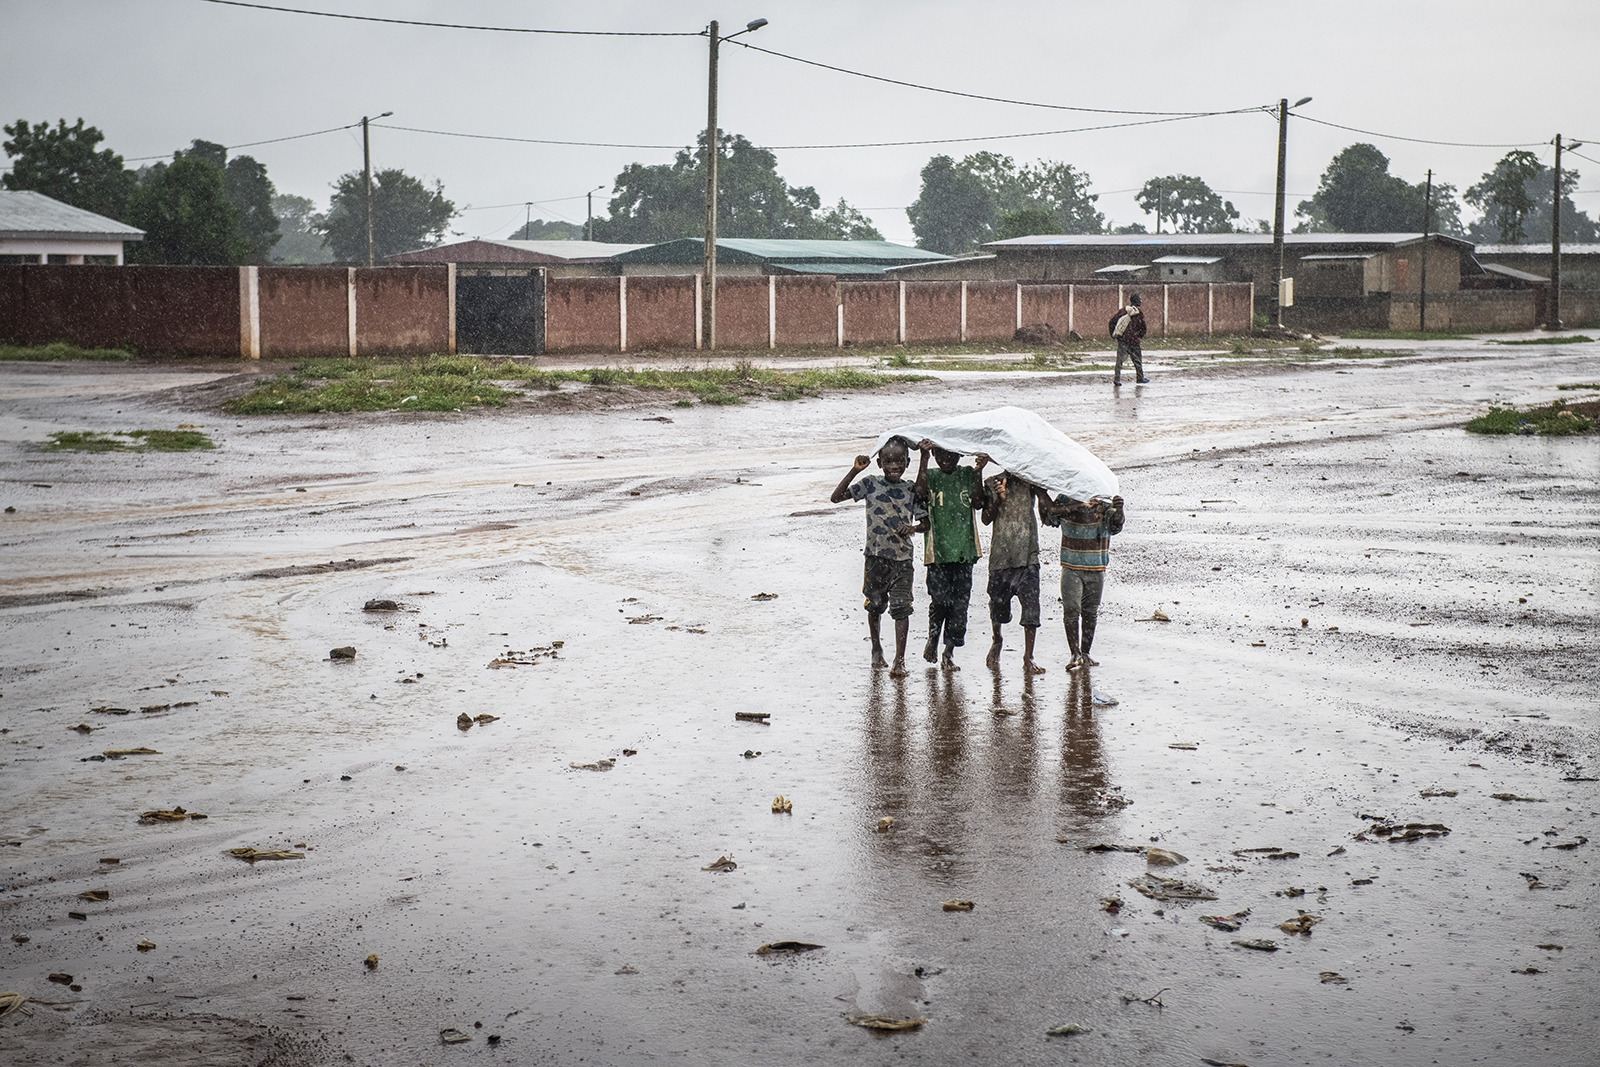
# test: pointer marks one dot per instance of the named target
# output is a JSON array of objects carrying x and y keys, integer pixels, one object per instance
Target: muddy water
[{"x": 1447, "y": 585}]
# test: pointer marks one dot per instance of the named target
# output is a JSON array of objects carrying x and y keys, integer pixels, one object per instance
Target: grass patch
[
  {"x": 1403, "y": 335},
  {"x": 129, "y": 441},
  {"x": 1579, "y": 385},
  {"x": 1551, "y": 420},
  {"x": 1575, "y": 339},
  {"x": 452, "y": 383},
  {"x": 60, "y": 350}
]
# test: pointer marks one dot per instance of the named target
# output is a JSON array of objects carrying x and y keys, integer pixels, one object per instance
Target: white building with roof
[{"x": 35, "y": 228}]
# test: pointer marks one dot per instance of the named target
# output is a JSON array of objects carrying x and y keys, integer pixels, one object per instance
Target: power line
[
  {"x": 1417, "y": 140},
  {"x": 523, "y": 203},
  {"x": 273, "y": 140},
  {"x": 523, "y": 140},
  {"x": 456, "y": 25}
]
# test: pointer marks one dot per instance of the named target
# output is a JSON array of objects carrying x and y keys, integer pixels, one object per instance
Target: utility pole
[
  {"x": 1552, "y": 319},
  {"x": 588, "y": 225},
  {"x": 1158, "y": 207},
  {"x": 1277, "y": 215},
  {"x": 366, "y": 177},
  {"x": 710, "y": 241},
  {"x": 1422, "y": 300}
]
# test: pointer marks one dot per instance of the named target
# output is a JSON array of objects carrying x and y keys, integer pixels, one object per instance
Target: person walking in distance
[{"x": 1128, "y": 327}]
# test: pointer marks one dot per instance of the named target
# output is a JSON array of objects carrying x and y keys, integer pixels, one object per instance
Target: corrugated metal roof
[
  {"x": 1538, "y": 250},
  {"x": 1338, "y": 255},
  {"x": 479, "y": 250},
  {"x": 570, "y": 249},
  {"x": 28, "y": 215},
  {"x": 1202, "y": 260},
  {"x": 1512, "y": 272},
  {"x": 779, "y": 250},
  {"x": 1197, "y": 240},
  {"x": 1123, "y": 268},
  {"x": 829, "y": 268}
]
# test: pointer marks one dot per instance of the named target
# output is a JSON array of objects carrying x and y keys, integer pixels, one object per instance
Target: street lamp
[
  {"x": 366, "y": 175},
  {"x": 588, "y": 225},
  {"x": 1552, "y": 319},
  {"x": 711, "y": 181},
  {"x": 1277, "y": 217}
]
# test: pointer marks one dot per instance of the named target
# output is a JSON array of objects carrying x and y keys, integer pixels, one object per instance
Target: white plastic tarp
[{"x": 1022, "y": 442}]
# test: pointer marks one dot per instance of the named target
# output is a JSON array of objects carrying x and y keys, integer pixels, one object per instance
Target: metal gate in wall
[{"x": 500, "y": 315}]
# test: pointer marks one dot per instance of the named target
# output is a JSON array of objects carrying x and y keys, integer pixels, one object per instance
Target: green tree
[
  {"x": 666, "y": 201},
  {"x": 1024, "y": 222},
  {"x": 186, "y": 216},
  {"x": 954, "y": 212},
  {"x": 1516, "y": 199},
  {"x": 298, "y": 238},
  {"x": 1189, "y": 203},
  {"x": 554, "y": 230},
  {"x": 64, "y": 163},
  {"x": 406, "y": 215},
  {"x": 1357, "y": 194},
  {"x": 251, "y": 193}
]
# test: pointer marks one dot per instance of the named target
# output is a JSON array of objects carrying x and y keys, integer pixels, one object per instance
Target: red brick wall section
[
  {"x": 1047, "y": 304},
  {"x": 933, "y": 312},
  {"x": 808, "y": 311},
  {"x": 304, "y": 311},
  {"x": 403, "y": 311},
  {"x": 189, "y": 311},
  {"x": 742, "y": 312},
  {"x": 1095, "y": 304},
  {"x": 871, "y": 312},
  {"x": 1186, "y": 310},
  {"x": 580, "y": 315},
  {"x": 1231, "y": 310},
  {"x": 661, "y": 312},
  {"x": 991, "y": 311}
]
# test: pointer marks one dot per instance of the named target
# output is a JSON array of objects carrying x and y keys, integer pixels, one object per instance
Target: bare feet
[
  {"x": 947, "y": 663},
  {"x": 1029, "y": 667},
  {"x": 1074, "y": 663},
  {"x": 899, "y": 669},
  {"x": 930, "y": 651},
  {"x": 878, "y": 662},
  {"x": 992, "y": 660},
  {"x": 1087, "y": 662}
]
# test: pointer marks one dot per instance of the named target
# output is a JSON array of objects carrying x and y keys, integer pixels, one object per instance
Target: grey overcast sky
[{"x": 156, "y": 74}]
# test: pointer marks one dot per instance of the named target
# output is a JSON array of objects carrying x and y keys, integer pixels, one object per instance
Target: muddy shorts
[
  {"x": 1080, "y": 594},
  {"x": 949, "y": 593},
  {"x": 1019, "y": 582},
  {"x": 886, "y": 585}
]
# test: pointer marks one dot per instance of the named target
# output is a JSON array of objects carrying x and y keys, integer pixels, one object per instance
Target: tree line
[{"x": 204, "y": 207}]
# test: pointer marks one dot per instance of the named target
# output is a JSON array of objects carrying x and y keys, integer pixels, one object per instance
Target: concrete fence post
[
  {"x": 838, "y": 295},
  {"x": 250, "y": 312},
  {"x": 1072, "y": 310},
  {"x": 772, "y": 311},
  {"x": 1250, "y": 323},
  {"x": 1164, "y": 307},
  {"x": 1019, "y": 305},
  {"x": 1211, "y": 306},
  {"x": 963, "y": 312},
  {"x": 699, "y": 310},
  {"x": 900, "y": 334},
  {"x": 450, "y": 285},
  {"x": 622, "y": 313},
  {"x": 350, "y": 307},
  {"x": 1121, "y": 302}
]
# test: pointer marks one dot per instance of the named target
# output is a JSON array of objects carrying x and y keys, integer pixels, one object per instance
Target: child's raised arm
[
  {"x": 841, "y": 494},
  {"x": 921, "y": 486},
  {"x": 979, "y": 498}
]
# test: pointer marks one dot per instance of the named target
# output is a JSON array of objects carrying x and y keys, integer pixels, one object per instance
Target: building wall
[
  {"x": 808, "y": 311},
  {"x": 743, "y": 311},
  {"x": 991, "y": 310},
  {"x": 305, "y": 311},
  {"x": 1581, "y": 271},
  {"x": 933, "y": 312},
  {"x": 582, "y": 314},
  {"x": 1399, "y": 270},
  {"x": 59, "y": 251},
  {"x": 1332, "y": 277},
  {"x": 871, "y": 312},
  {"x": 403, "y": 311},
  {"x": 152, "y": 310},
  {"x": 661, "y": 312}
]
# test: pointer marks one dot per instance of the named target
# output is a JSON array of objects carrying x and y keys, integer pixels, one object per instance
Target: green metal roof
[
  {"x": 779, "y": 251},
  {"x": 828, "y": 268}
]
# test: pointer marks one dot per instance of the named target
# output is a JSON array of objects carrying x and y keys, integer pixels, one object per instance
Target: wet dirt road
[{"x": 1447, "y": 588}]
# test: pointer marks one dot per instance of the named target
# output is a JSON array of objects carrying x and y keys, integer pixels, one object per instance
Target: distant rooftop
[
  {"x": 32, "y": 216},
  {"x": 1538, "y": 249},
  {"x": 780, "y": 250},
  {"x": 482, "y": 250},
  {"x": 1191, "y": 240},
  {"x": 1204, "y": 261}
]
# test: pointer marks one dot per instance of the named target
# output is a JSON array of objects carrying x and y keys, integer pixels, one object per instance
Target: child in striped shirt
[{"x": 1086, "y": 532}]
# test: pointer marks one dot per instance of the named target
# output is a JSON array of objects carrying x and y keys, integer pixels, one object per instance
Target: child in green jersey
[{"x": 950, "y": 545}]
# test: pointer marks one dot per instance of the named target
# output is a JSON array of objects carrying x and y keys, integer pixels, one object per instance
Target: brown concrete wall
[
  {"x": 1579, "y": 307},
  {"x": 1046, "y": 304},
  {"x": 191, "y": 311},
  {"x": 1232, "y": 311},
  {"x": 991, "y": 311},
  {"x": 403, "y": 311},
  {"x": 933, "y": 312},
  {"x": 580, "y": 314},
  {"x": 1468, "y": 309},
  {"x": 660, "y": 313},
  {"x": 1186, "y": 310},
  {"x": 304, "y": 311},
  {"x": 741, "y": 312},
  {"x": 808, "y": 311},
  {"x": 1097, "y": 303},
  {"x": 871, "y": 312}
]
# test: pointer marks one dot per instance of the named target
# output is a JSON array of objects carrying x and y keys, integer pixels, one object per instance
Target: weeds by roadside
[
  {"x": 128, "y": 441},
  {"x": 60, "y": 350},
  {"x": 1403, "y": 335},
  {"x": 1551, "y": 420},
  {"x": 1575, "y": 339}
]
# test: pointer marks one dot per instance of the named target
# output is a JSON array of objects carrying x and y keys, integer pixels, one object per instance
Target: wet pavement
[{"x": 1366, "y": 604}]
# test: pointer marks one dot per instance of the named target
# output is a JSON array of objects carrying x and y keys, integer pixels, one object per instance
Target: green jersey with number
[{"x": 952, "y": 535}]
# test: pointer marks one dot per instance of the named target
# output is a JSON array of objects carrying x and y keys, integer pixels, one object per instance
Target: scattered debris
[
  {"x": 958, "y": 905},
  {"x": 750, "y": 754},
  {"x": 1156, "y": 616},
  {"x": 1332, "y": 978},
  {"x": 145, "y": 946},
  {"x": 1361, "y": 881},
  {"x": 168, "y": 815},
  {"x": 1226, "y": 923},
  {"x": 1533, "y": 881},
  {"x": 885, "y": 823},
  {"x": 723, "y": 865},
  {"x": 1550, "y": 947},
  {"x": 110, "y": 859},
  {"x": 250, "y": 855},
  {"x": 371, "y": 962},
  {"x": 96, "y": 895},
  {"x": 1160, "y": 857},
  {"x": 1158, "y": 888},
  {"x": 1568, "y": 846},
  {"x": 1184, "y": 746},
  {"x": 85, "y": 728},
  {"x": 1111, "y": 904},
  {"x": 630, "y": 752},
  {"x": 1068, "y": 1028},
  {"x": 1113, "y": 798},
  {"x": 753, "y": 716},
  {"x": 61, "y": 979},
  {"x": 1260, "y": 944},
  {"x": 80, "y": 916},
  {"x": 1153, "y": 998},
  {"x": 451, "y": 1036},
  {"x": 625, "y": 969},
  {"x": 1338, "y": 851},
  {"x": 765, "y": 596},
  {"x": 1528, "y": 970},
  {"x": 464, "y": 722},
  {"x": 597, "y": 765},
  {"x": 639, "y": 620},
  {"x": 342, "y": 652},
  {"x": 1103, "y": 847},
  {"x": 1103, "y": 700},
  {"x": 1513, "y": 796},
  {"x": 781, "y": 805},
  {"x": 380, "y": 605},
  {"x": 773, "y": 947},
  {"x": 1437, "y": 793},
  {"x": 1411, "y": 831},
  {"x": 1291, "y": 891},
  {"x": 118, "y": 753},
  {"x": 1300, "y": 924},
  {"x": 10, "y": 1002},
  {"x": 887, "y": 1022}
]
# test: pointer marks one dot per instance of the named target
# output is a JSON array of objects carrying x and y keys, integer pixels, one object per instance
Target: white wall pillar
[
  {"x": 350, "y": 307},
  {"x": 1164, "y": 305},
  {"x": 841, "y": 319},
  {"x": 1211, "y": 306},
  {"x": 1121, "y": 303},
  {"x": 622, "y": 313},
  {"x": 772, "y": 311},
  {"x": 1072, "y": 310},
  {"x": 249, "y": 313},
  {"x": 452, "y": 288},
  {"x": 900, "y": 334},
  {"x": 699, "y": 311},
  {"x": 963, "y": 312}
]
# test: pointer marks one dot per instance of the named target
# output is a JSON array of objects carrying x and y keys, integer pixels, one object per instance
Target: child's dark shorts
[
  {"x": 1019, "y": 582},
  {"x": 886, "y": 585}
]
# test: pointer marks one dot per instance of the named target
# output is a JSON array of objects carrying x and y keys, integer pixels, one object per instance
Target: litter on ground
[
  {"x": 773, "y": 947},
  {"x": 1068, "y": 1028},
  {"x": 1260, "y": 944},
  {"x": 958, "y": 905},
  {"x": 1300, "y": 924},
  {"x": 723, "y": 864},
  {"x": 1158, "y": 888},
  {"x": 250, "y": 855},
  {"x": 887, "y": 1022},
  {"x": 782, "y": 805}
]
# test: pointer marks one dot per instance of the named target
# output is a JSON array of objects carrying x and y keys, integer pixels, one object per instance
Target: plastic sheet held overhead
[{"x": 1019, "y": 441}]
